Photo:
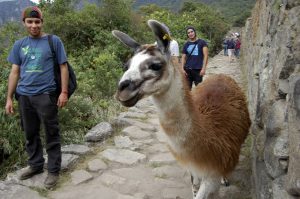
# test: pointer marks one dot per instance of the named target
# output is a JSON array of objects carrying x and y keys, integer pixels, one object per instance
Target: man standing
[
  {"x": 194, "y": 57},
  {"x": 225, "y": 46},
  {"x": 237, "y": 47},
  {"x": 32, "y": 78}
]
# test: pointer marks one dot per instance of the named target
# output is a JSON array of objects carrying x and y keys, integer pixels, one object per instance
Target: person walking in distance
[
  {"x": 225, "y": 46},
  {"x": 237, "y": 47},
  {"x": 194, "y": 57},
  {"x": 231, "y": 47},
  {"x": 32, "y": 79}
]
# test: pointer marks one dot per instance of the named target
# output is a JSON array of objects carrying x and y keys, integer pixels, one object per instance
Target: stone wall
[{"x": 271, "y": 60}]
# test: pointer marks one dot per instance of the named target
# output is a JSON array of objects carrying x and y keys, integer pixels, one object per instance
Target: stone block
[
  {"x": 293, "y": 175},
  {"x": 99, "y": 132}
]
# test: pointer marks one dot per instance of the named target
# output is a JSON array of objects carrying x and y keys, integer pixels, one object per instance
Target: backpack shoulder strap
[
  {"x": 56, "y": 68},
  {"x": 50, "y": 41},
  {"x": 190, "y": 54}
]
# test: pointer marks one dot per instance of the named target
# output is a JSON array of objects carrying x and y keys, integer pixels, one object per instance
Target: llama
[{"x": 205, "y": 127}]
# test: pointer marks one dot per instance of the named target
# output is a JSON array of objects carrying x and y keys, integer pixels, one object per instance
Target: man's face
[
  {"x": 33, "y": 26},
  {"x": 191, "y": 33}
]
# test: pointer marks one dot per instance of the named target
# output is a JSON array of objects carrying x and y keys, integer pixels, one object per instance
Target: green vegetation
[
  {"x": 96, "y": 57},
  {"x": 209, "y": 24},
  {"x": 11, "y": 137},
  {"x": 173, "y": 5},
  {"x": 234, "y": 12}
]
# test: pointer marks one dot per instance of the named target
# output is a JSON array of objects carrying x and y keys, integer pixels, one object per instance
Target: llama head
[{"x": 149, "y": 69}]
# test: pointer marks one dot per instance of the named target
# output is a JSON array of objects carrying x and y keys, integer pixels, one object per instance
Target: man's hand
[
  {"x": 12, "y": 84},
  {"x": 62, "y": 99},
  {"x": 9, "y": 107}
]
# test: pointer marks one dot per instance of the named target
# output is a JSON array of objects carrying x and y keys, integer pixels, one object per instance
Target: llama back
[
  {"x": 219, "y": 95},
  {"x": 221, "y": 134}
]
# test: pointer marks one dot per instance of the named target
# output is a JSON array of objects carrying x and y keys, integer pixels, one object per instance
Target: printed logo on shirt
[
  {"x": 34, "y": 56},
  {"x": 191, "y": 47},
  {"x": 25, "y": 50}
]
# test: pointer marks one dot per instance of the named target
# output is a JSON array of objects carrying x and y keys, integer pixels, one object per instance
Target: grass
[
  {"x": 276, "y": 5},
  {"x": 42, "y": 192},
  {"x": 162, "y": 176},
  {"x": 246, "y": 148},
  {"x": 155, "y": 164}
]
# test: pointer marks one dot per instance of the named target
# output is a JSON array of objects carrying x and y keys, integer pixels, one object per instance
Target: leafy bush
[
  {"x": 11, "y": 136},
  {"x": 208, "y": 23}
]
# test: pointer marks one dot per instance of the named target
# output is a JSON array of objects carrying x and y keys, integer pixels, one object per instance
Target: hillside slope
[
  {"x": 232, "y": 10},
  {"x": 10, "y": 10}
]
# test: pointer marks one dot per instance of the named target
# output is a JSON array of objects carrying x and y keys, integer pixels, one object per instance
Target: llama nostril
[{"x": 123, "y": 85}]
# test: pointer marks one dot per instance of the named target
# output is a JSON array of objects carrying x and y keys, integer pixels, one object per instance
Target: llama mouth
[
  {"x": 132, "y": 101},
  {"x": 128, "y": 98}
]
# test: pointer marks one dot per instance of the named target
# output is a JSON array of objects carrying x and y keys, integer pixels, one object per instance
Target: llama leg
[
  {"x": 209, "y": 188},
  {"x": 224, "y": 181},
  {"x": 195, "y": 184}
]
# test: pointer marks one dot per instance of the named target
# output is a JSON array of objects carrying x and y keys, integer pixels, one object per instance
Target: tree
[{"x": 149, "y": 9}]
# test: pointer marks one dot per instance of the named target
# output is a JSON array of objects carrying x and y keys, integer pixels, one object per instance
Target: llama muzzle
[{"x": 128, "y": 93}]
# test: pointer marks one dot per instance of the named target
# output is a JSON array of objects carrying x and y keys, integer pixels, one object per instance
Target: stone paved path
[{"x": 136, "y": 164}]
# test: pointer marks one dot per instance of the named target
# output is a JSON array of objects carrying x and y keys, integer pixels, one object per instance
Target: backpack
[
  {"x": 238, "y": 44},
  {"x": 231, "y": 44},
  {"x": 72, "y": 77}
]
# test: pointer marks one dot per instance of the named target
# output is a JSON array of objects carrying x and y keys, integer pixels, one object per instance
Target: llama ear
[
  {"x": 125, "y": 39},
  {"x": 161, "y": 33}
]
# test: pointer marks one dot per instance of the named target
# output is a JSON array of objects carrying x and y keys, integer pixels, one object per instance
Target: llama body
[
  {"x": 205, "y": 127},
  {"x": 199, "y": 132}
]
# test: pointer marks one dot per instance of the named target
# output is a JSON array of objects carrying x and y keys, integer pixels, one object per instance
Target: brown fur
[{"x": 220, "y": 125}]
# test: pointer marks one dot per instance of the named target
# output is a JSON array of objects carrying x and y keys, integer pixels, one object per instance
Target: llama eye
[{"x": 155, "y": 67}]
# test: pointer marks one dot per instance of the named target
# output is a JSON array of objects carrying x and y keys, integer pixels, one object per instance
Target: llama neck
[{"x": 174, "y": 106}]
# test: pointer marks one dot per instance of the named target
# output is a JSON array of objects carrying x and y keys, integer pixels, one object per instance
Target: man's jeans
[{"x": 35, "y": 110}]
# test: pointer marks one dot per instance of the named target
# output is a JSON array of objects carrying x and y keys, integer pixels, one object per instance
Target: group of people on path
[
  {"x": 32, "y": 79},
  {"x": 232, "y": 46}
]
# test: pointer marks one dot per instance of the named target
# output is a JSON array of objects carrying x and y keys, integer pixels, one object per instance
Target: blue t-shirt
[
  {"x": 196, "y": 59},
  {"x": 34, "y": 57}
]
